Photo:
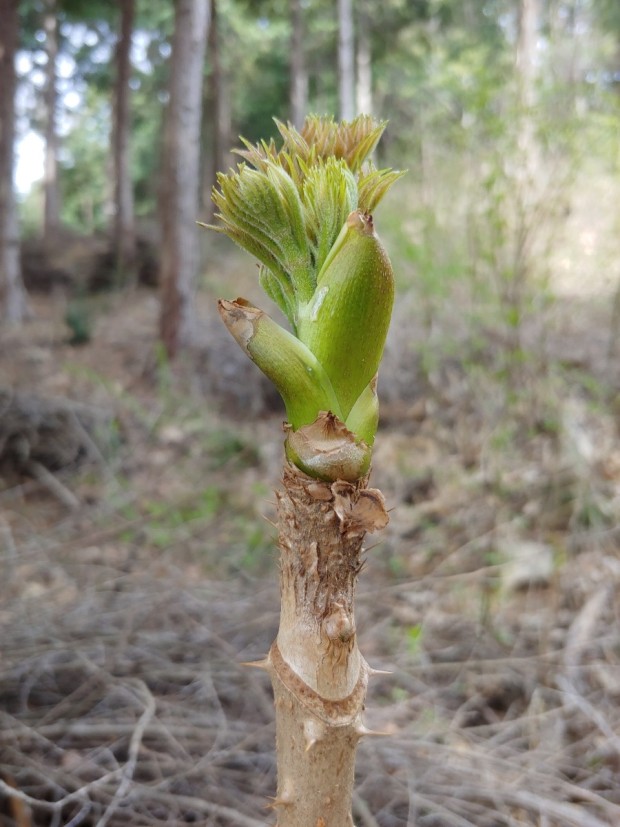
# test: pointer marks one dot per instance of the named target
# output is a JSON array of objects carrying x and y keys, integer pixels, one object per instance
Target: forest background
[{"x": 138, "y": 449}]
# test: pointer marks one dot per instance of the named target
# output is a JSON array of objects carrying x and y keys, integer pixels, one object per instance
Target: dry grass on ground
[{"x": 493, "y": 597}]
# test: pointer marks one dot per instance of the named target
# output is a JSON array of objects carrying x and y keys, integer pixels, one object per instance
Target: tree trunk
[
  {"x": 51, "y": 217},
  {"x": 525, "y": 62},
  {"x": 346, "y": 61},
  {"x": 364, "y": 62},
  {"x": 12, "y": 293},
  {"x": 298, "y": 93},
  {"x": 124, "y": 227},
  {"x": 181, "y": 174},
  {"x": 218, "y": 113},
  {"x": 527, "y": 177},
  {"x": 526, "y": 51},
  {"x": 319, "y": 676}
]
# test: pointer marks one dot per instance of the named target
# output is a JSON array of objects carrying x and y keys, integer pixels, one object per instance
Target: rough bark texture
[
  {"x": 180, "y": 244},
  {"x": 12, "y": 293},
  {"x": 124, "y": 229},
  {"x": 319, "y": 676}
]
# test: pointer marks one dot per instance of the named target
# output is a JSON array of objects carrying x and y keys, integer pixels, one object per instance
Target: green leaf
[
  {"x": 329, "y": 195},
  {"x": 346, "y": 323},
  {"x": 374, "y": 184},
  {"x": 279, "y": 292},
  {"x": 299, "y": 377}
]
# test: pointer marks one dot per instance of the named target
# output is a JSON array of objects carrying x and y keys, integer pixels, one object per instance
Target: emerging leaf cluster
[{"x": 286, "y": 207}]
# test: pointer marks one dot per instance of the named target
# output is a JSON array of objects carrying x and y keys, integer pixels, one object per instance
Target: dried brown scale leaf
[
  {"x": 359, "y": 511},
  {"x": 342, "y": 712},
  {"x": 328, "y": 450},
  {"x": 332, "y": 556}
]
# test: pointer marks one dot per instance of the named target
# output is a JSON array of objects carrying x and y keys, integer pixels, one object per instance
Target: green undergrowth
[{"x": 183, "y": 481}]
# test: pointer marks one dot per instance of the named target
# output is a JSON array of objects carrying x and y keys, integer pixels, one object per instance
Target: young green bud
[
  {"x": 304, "y": 211},
  {"x": 346, "y": 322},
  {"x": 293, "y": 369}
]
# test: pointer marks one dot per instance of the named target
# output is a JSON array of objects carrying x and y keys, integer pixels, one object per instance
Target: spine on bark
[{"x": 305, "y": 211}]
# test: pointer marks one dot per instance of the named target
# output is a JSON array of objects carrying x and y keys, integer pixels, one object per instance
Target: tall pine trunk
[
  {"x": 12, "y": 293},
  {"x": 298, "y": 89},
  {"x": 527, "y": 175},
  {"x": 181, "y": 174},
  {"x": 217, "y": 119},
  {"x": 346, "y": 61},
  {"x": 124, "y": 238},
  {"x": 363, "y": 59},
  {"x": 51, "y": 208},
  {"x": 525, "y": 64}
]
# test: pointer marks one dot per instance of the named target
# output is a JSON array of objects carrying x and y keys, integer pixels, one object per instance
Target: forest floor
[{"x": 138, "y": 579}]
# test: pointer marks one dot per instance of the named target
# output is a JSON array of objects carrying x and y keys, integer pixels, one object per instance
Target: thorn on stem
[
  {"x": 314, "y": 731},
  {"x": 284, "y": 798},
  {"x": 278, "y": 802},
  {"x": 265, "y": 663},
  {"x": 363, "y": 731},
  {"x": 372, "y": 672}
]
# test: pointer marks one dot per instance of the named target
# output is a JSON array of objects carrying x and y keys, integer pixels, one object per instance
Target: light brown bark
[
  {"x": 526, "y": 51},
  {"x": 364, "y": 62},
  {"x": 525, "y": 63},
  {"x": 298, "y": 91},
  {"x": 346, "y": 61},
  {"x": 318, "y": 673},
  {"x": 123, "y": 228},
  {"x": 527, "y": 177},
  {"x": 181, "y": 175},
  {"x": 12, "y": 292}
]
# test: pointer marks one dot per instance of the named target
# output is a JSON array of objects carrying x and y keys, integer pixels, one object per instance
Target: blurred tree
[
  {"x": 298, "y": 94},
  {"x": 153, "y": 35},
  {"x": 217, "y": 110},
  {"x": 526, "y": 188},
  {"x": 346, "y": 61},
  {"x": 526, "y": 52},
  {"x": 12, "y": 292},
  {"x": 51, "y": 192},
  {"x": 607, "y": 15},
  {"x": 257, "y": 37},
  {"x": 181, "y": 174},
  {"x": 123, "y": 227},
  {"x": 363, "y": 59}
]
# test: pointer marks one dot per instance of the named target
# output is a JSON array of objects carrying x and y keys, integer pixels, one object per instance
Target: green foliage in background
[
  {"x": 443, "y": 73},
  {"x": 443, "y": 68},
  {"x": 84, "y": 176}
]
